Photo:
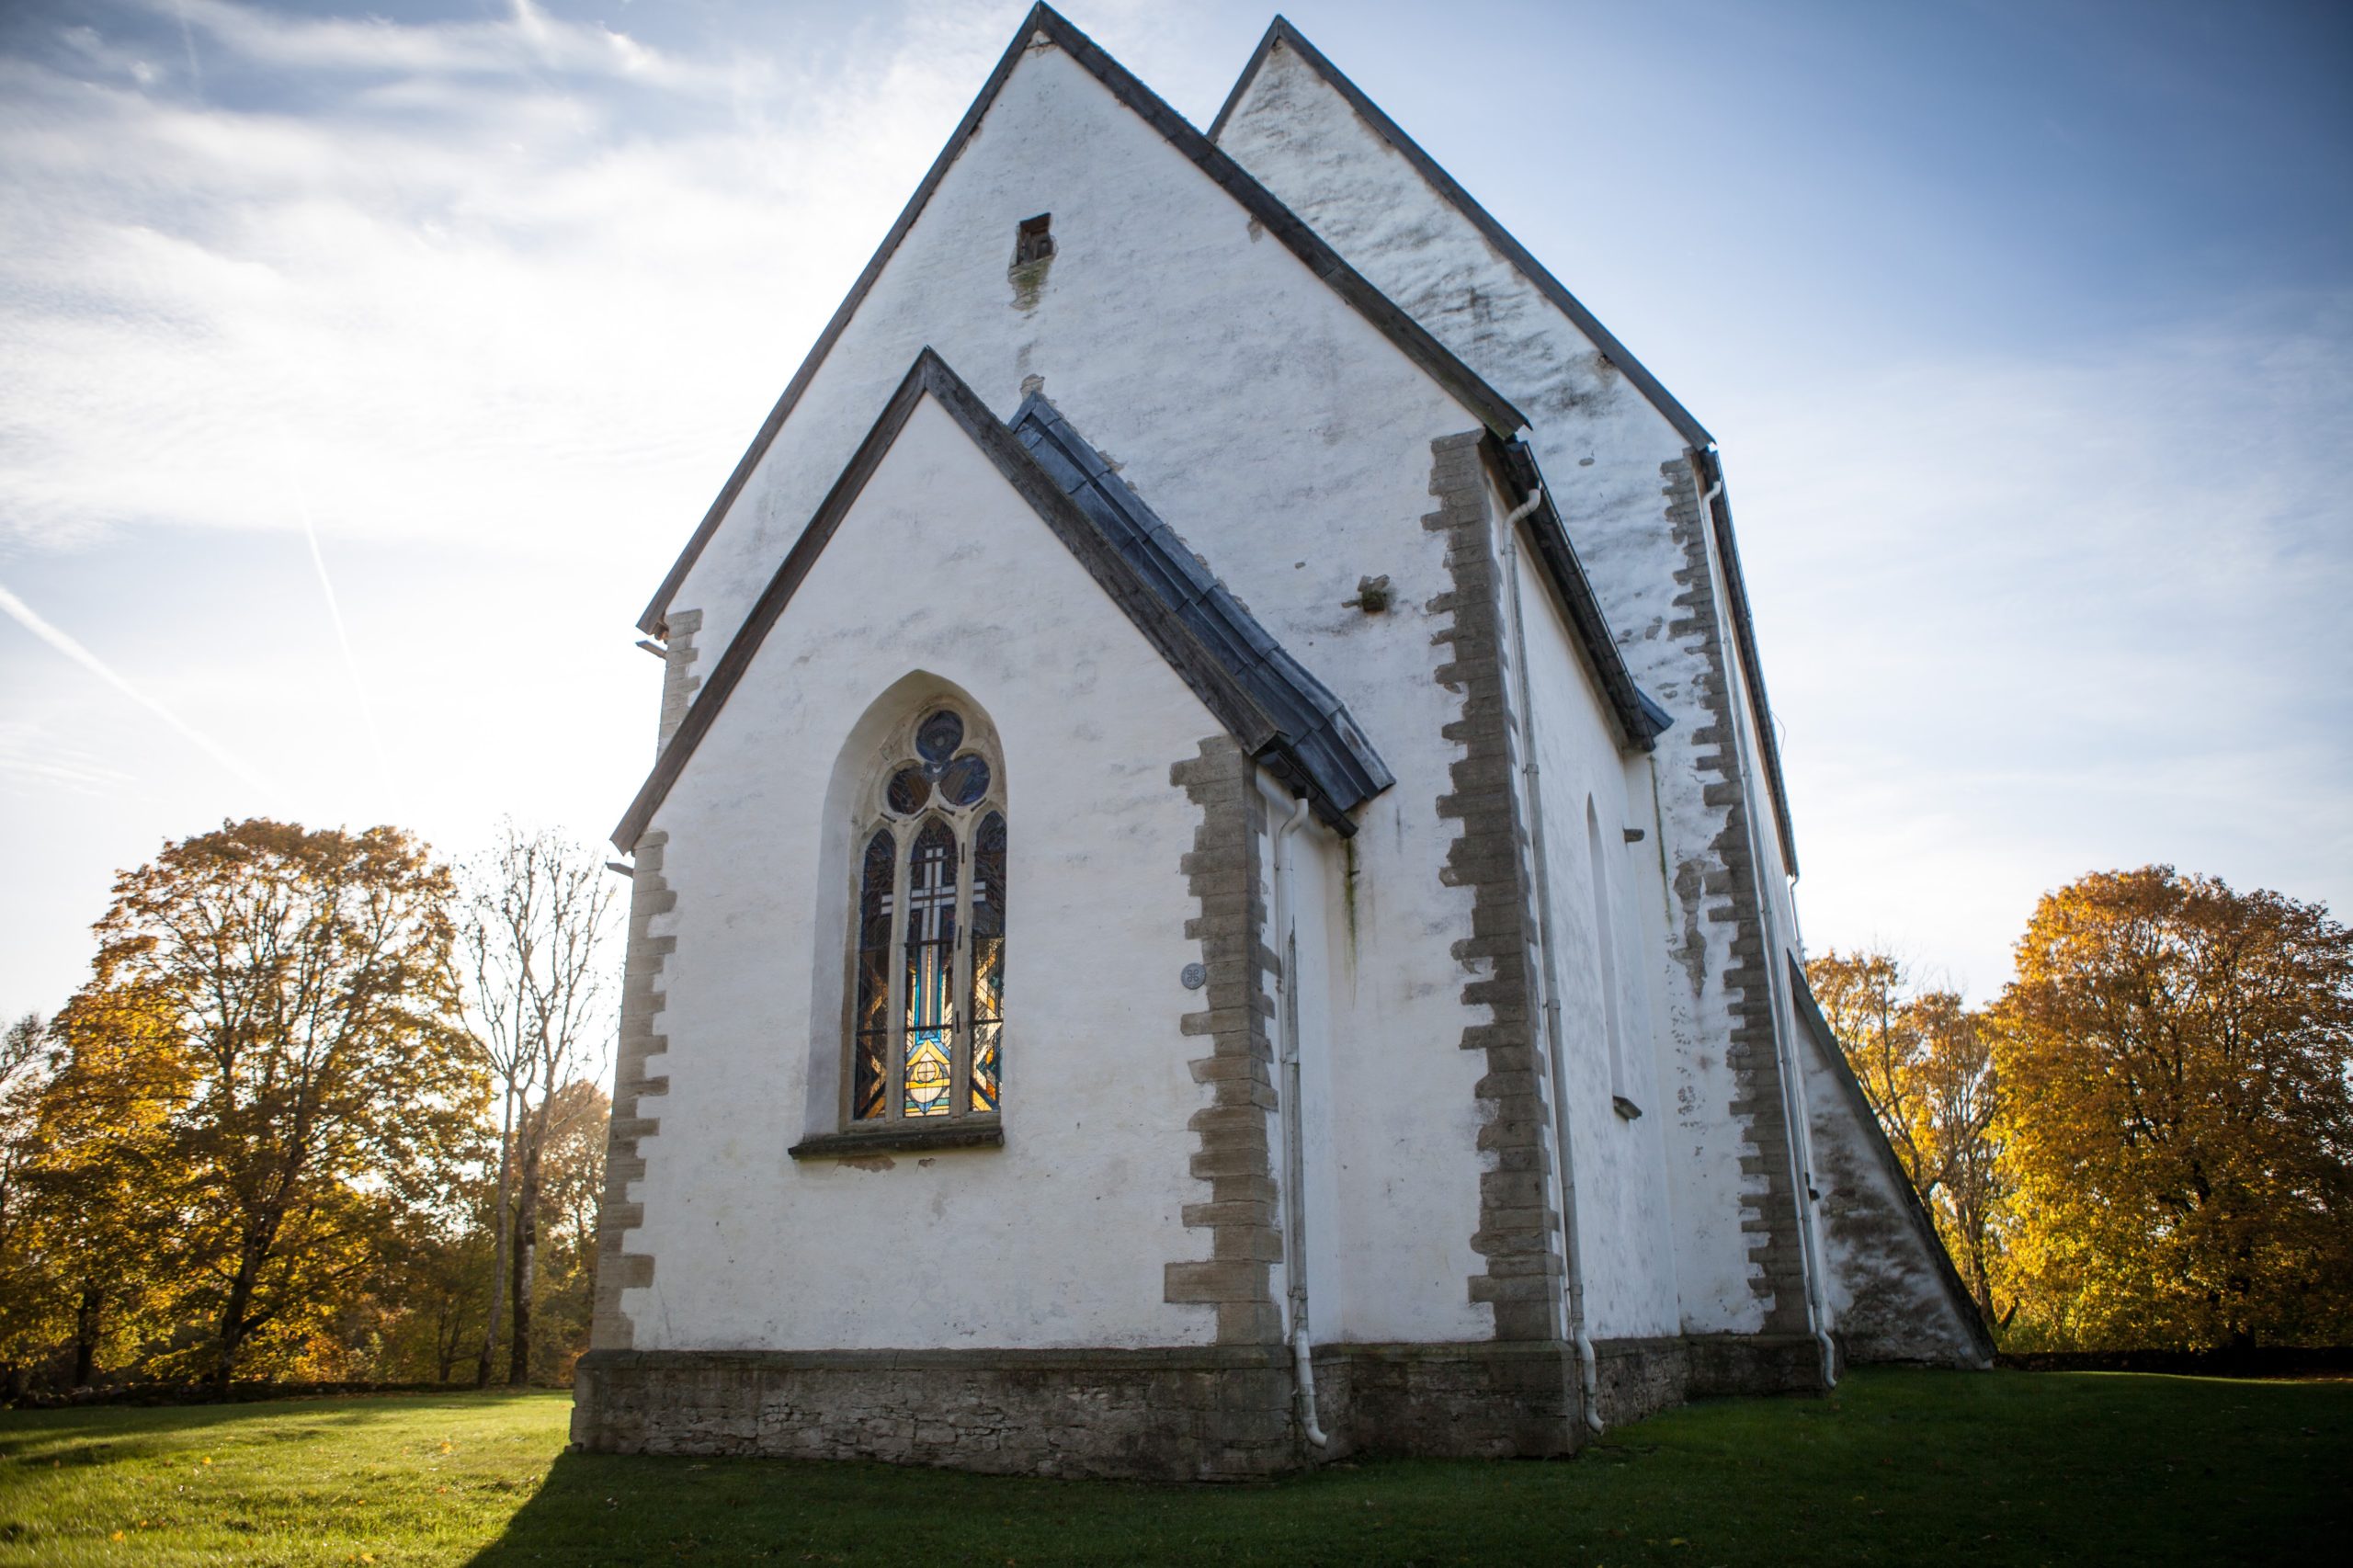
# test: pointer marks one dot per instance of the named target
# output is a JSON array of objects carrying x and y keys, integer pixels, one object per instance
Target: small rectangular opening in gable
[{"x": 1032, "y": 240}]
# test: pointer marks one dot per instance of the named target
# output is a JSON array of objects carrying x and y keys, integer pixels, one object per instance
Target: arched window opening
[{"x": 926, "y": 1036}]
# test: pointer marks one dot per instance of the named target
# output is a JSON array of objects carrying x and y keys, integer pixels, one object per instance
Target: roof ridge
[
  {"x": 1408, "y": 335},
  {"x": 1280, "y": 30}
]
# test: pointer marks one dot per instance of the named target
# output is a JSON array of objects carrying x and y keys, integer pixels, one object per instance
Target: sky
[{"x": 363, "y": 369}]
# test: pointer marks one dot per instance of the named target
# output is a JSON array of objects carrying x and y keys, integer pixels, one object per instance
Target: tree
[
  {"x": 26, "y": 1283},
  {"x": 102, "y": 1186},
  {"x": 573, "y": 1183},
  {"x": 1926, "y": 1067},
  {"x": 301, "y": 1052},
  {"x": 537, "y": 917},
  {"x": 2176, "y": 1061}
]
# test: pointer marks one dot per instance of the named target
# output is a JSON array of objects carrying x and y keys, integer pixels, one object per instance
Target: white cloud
[
  {"x": 2026, "y": 619},
  {"x": 490, "y": 305},
  {"x": 527, "y": 38}
]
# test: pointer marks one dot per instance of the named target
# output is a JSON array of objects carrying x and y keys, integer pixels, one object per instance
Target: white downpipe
[
  {"x": 1572, "y": 1247},
  {"x": 1293, "y": 1195},
  {"x": 1794, "y": 1102}
]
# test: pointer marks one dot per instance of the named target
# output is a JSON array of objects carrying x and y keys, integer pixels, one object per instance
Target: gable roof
[
  {"x": 1281, "y": 31},
  {"x": 1639, "y": 719},
  {"x": 1280, "y": 713},
  {"x": 1411, "y": 339},
  {"x": 1323, "y": 755}
]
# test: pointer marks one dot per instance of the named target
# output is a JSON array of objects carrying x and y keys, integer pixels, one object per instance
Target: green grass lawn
[{"x": 1897, "y": 1467}]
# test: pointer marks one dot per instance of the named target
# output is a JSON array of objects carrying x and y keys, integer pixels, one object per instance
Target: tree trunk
[
  {"x": 498, "y": 1256},
  {"x": 233, "y": 1321},
  {"x": 527, "y": 1247},
  {"x": 86, "y": 1337}
]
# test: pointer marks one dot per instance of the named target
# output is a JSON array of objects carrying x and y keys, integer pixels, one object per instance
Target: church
[{"x": 1215, "y": 892}]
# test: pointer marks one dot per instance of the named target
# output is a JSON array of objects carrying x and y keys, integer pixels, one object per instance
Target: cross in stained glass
[{"x": 931, "y": 894}]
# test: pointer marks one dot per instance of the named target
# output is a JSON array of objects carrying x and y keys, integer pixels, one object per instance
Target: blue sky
[{"x": 366, "y": 367}]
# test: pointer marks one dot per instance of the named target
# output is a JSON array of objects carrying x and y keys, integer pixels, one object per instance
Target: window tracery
[{"x": 927, "y": 939}]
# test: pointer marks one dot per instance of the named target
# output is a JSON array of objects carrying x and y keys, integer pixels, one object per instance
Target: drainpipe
[
  {"x": 1794, "y": 1102},
  {"x": 1572, "y": 1249},
  {"x": 1293, "y": 1195}
]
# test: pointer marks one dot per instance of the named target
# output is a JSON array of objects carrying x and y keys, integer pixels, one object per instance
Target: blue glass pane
[
  {"x": 966, "y": 781},
  {"x": 938, "y": 737}
]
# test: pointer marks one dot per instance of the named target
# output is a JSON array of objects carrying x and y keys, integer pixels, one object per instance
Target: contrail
[
  {"x": 22, "y": 613},
  {"x": 187, "y": 39},
  {"x": 334, "y": 613}
]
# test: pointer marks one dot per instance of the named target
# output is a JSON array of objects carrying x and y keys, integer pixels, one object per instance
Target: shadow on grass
[{"x": 2004, "y": 1468}]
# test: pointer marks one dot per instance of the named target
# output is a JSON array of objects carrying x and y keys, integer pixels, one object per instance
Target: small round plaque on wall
[{"x": 1195, "y": 976}]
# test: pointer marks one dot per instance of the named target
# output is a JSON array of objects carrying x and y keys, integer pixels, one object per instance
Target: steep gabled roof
[
  {"x": 1281, "y": 32},
  {"x": 1322, "y": 756},
  {"x": 1639, "y": 719},
  {"x": 1491, "y": 407},
  {"x": 1280, "y": 713}
]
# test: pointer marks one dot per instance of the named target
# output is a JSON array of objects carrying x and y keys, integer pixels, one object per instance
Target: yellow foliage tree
[
  {"x": 300, "y": 1048},
  {"x": 2176, "y": 1062},
  {"x": 1925, "y": 1065}
]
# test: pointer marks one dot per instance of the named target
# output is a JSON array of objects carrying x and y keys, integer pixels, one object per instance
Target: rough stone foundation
[{"x": 1195, "y": 1413}]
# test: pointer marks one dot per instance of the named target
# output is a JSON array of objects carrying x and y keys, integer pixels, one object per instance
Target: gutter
[{"x": 1293, "y": 1193}]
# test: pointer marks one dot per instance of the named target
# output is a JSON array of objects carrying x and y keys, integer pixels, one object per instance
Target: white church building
[{"x": 1216, "y": 889}]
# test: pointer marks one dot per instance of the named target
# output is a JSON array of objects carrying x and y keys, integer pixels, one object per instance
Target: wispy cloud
[
  {"x": 491, "y": 300},
  {"x": 2025, "y": 617},
  {"x": 526, "y": 39},
  {"x": 23, "y": 615}
]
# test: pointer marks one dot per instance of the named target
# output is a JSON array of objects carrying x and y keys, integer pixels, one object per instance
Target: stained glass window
[
  {"x": 871, "y": 1048},
  {"x": 938, "y": 737},
  {"x": 987, "y": 1008},
  {"x": 908, "y": 791},
  {"x": 966, "y": 781},
  {"x": 930, "y": 972},
  {"x": 928, "y": 1022}
]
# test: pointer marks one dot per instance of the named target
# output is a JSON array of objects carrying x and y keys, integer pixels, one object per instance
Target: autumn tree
[
  {"x": 1926, "y": 1067},
  {"x": 104, "y": 1188},
  {"x": 28, "y": 1287},
  {"x": 537, "y": 918},
  {"x": 571, "y": 1184},
  {"x": 303, "y": 1058},
  {"x": 2176, "y": 1065}
]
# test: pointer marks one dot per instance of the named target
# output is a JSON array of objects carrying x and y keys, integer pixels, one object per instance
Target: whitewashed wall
[
  {"x": 1288, "y": 442},
  {"x": 1600, "y": 443},
  {"x": 1621, "y": 1183},
  {"x": 1059, "y": 1238}
]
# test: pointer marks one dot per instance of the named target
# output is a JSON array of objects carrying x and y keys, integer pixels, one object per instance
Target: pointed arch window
[{"x": 927, "y": 941}]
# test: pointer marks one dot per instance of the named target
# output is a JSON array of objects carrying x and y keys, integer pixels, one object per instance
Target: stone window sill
[
  {"x": 899, "y": 1140},
  {"x": 1625, "y": 1108}
]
